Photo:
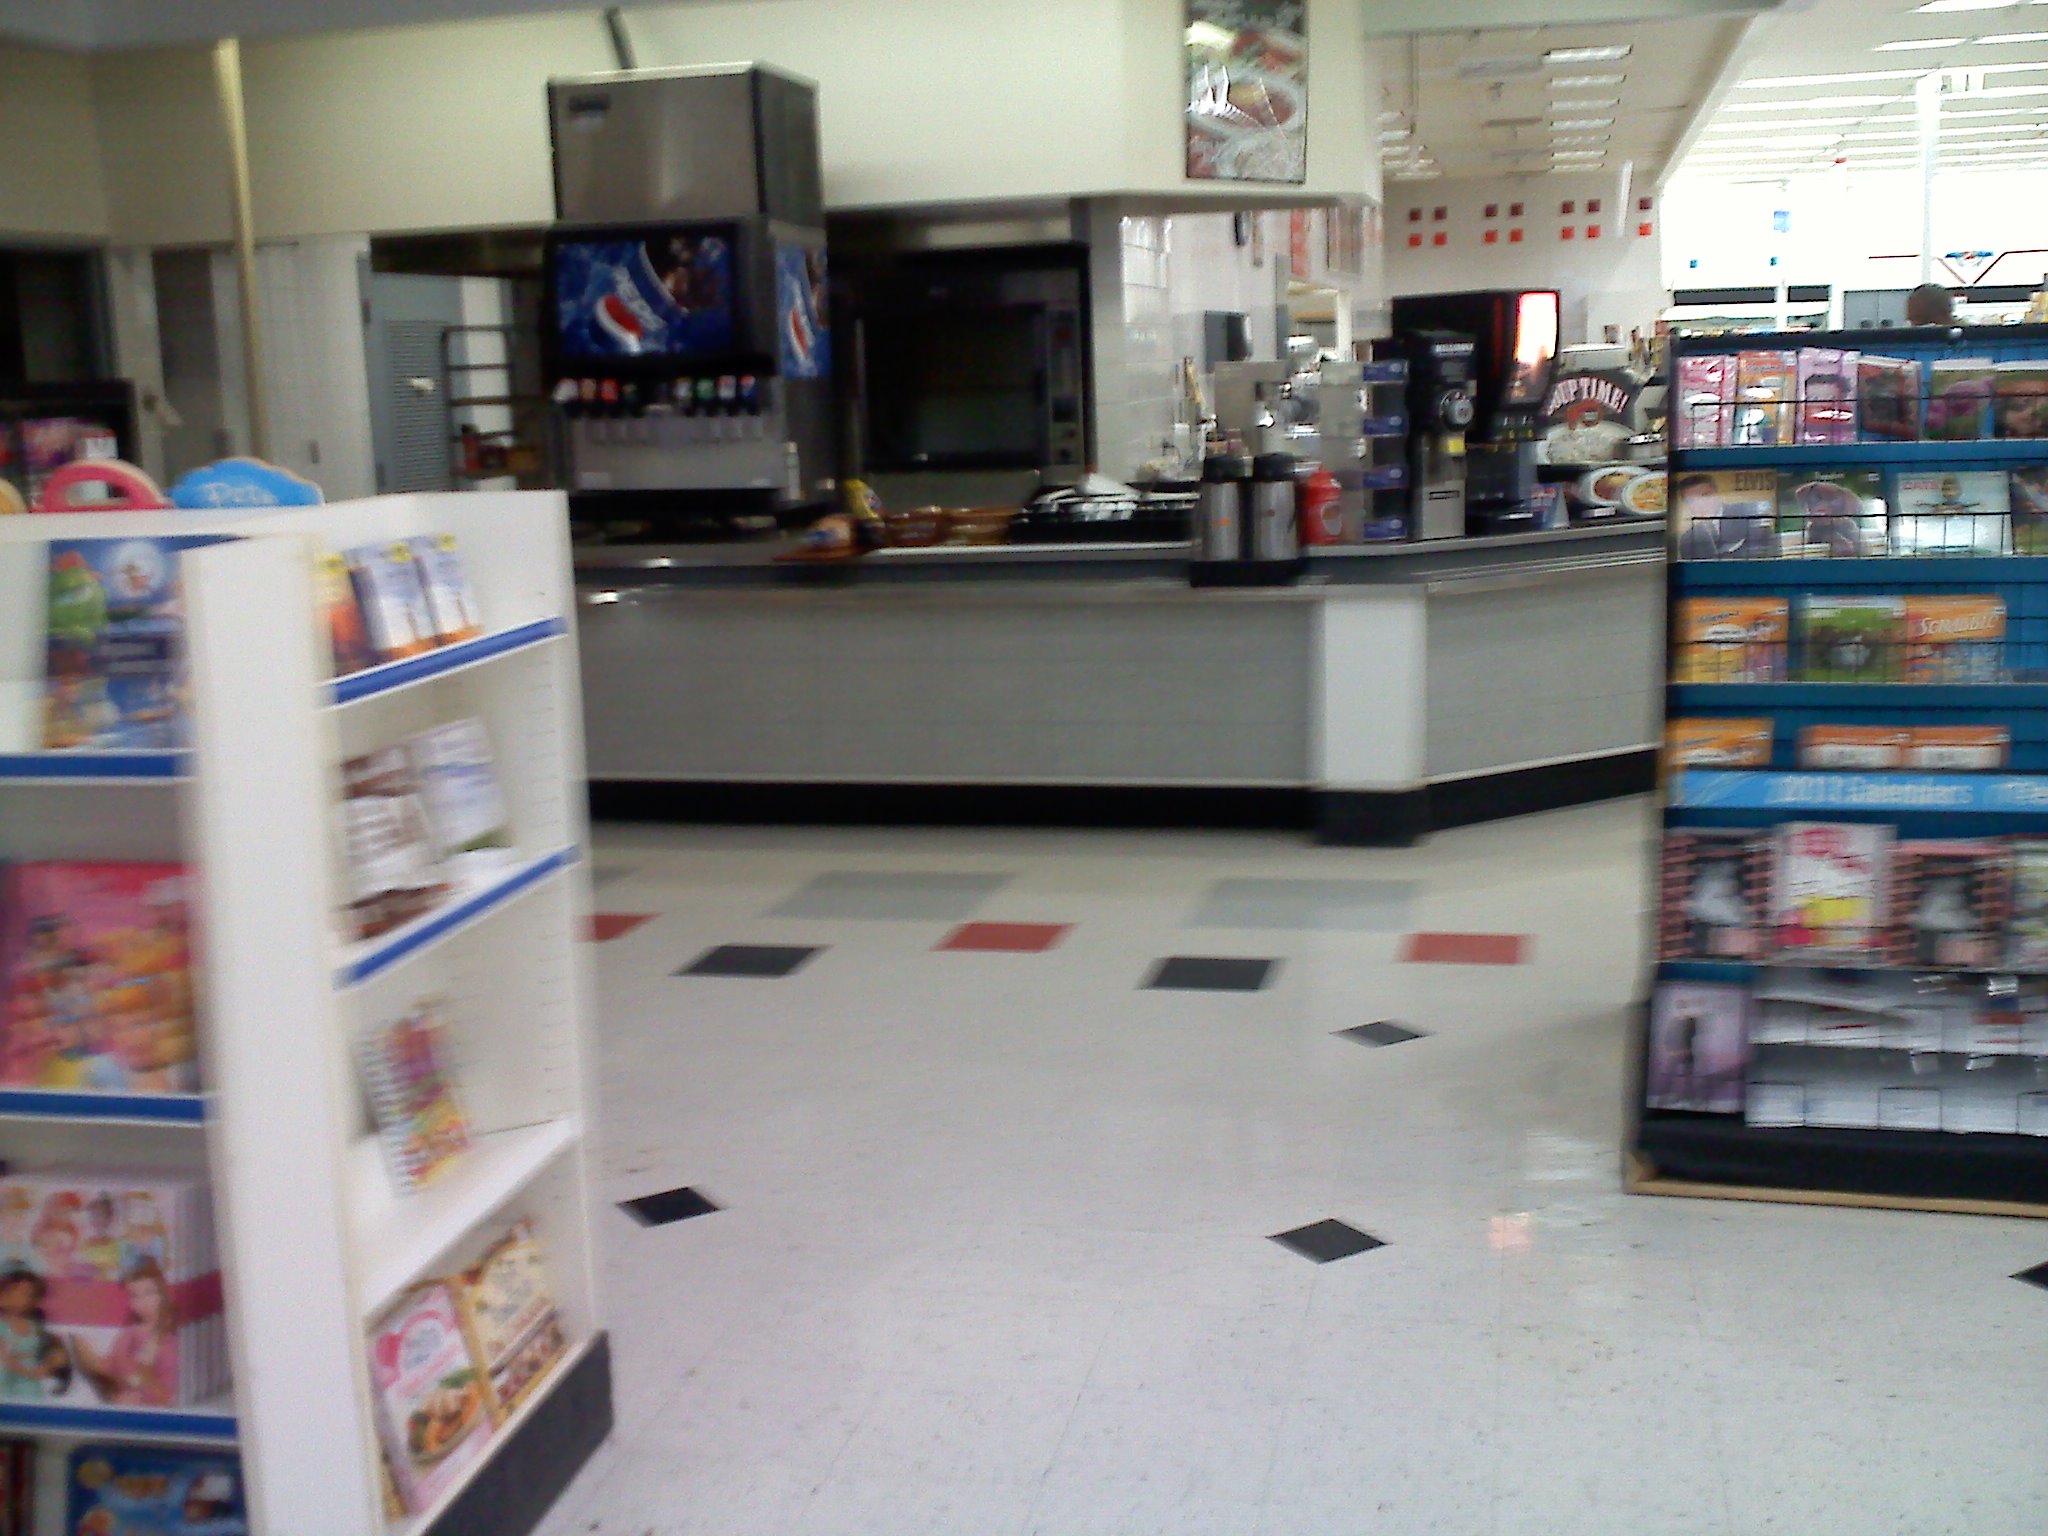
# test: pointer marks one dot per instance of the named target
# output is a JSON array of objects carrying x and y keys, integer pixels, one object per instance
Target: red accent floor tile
[
  {"x": 1466, "y": 948},
  {"x": 606, "y": 926},
  {"x": 1007, "y": 938}
]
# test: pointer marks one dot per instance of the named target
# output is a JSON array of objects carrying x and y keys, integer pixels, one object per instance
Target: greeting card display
[
  {"x": 1833, "y": 512},
  {"x": 1952, "y": 512},
  {"x": 1888, "y": 398},
  {"x": 1827, "y": 395},
  {"x": 1700, "y": 414}
]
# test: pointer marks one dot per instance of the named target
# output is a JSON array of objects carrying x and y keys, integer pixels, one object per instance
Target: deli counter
[{"x": 1394, "y": 689}]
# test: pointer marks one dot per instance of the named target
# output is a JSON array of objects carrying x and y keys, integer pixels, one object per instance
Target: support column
[{"x": 227, "y": 80}]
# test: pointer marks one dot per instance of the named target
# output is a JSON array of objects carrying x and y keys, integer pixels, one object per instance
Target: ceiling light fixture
[
  {"x": 1944, "y": 7},
  {"x": 1814, "y": 103},
  {"x": 1589, "y": 104},
  {"x": 1584, "y": 82},
  {"x": 1852, "y": 77},
  {"x": 2001, "y": 38},
  {"x": 1606, "y": 54},
  {"x": 1573, "y": 124},
  {"x": 1908, "y": 44}
]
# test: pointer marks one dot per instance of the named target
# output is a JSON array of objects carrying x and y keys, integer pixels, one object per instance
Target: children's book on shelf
[
  {"x": 1950, "y": 903},
  {"x": 1700, "y": 413},
  {"x": 154, "y": 1490},
  {"x": 2022, "y": 398},
  {"x": 341, "y": 611},
  {"x": 1699, "y": 1046},
  {"x": 1955, "y": 639},
  {"x": 509, "y": 1316},
  {"x": 406, "y": 1072},
  {"x": 451, "y": 600},
  {"x": 1827, "y": 395},
  {"x": 1716, "y": 895},
  {"x": 2027, "y": 929},
  {"x": 96, "y": 975},
  {"x": 1730, "y": 640},
  {"x": 1717, "y": 743},
  {"x": 393, "y": 875},
  {"x": 110, "y": 1289},
  {"x": 17, "y": 1488},
  {"x": 1958, "y": 748},
  {"x": 2027, "y": 490},
  {"x": 1859, "y": 747},
  {"x": 393, "y": 599},
  {"x": 433, "y": 1409},
  {"x": 1888, "y": 395},
  {"x": 1959, "y": 395},
  {"x": 1952, "y": 512},
  {"x": 115, "y": 675},
  {"x": 1852, "y": 639},
  {"x": 458, "y": 779},
  {"x": 1828, "y": 892},
  {"x": 1765, "y": 383},
  {"x": 1835, "y": 512},
  {"x": 1726, "y": 514}
]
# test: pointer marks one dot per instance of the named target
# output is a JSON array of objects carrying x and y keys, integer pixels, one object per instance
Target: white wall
[
  {"x": 1854, "y": 231},
  {"x": 1611, "y": 279},
  {"x": 444, "y": 126},
  {"x": 315, "y": 378},
  {"x": 51, "y": 185}
]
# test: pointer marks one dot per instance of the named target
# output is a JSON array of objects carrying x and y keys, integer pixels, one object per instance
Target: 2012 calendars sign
[{"x": 1247, "y": 115}]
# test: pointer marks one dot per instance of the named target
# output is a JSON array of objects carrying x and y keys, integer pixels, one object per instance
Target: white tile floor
[{"x": 994, "y": 1253}]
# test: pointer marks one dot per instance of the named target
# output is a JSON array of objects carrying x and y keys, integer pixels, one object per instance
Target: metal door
[{"x": 404, "y": 319}]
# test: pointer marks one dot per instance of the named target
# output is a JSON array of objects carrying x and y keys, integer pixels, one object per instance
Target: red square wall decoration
[
  {"x": 1414, "y": 215},
  {"x": 1514, "y": 237},
  {"x": 1414, "y": 242},
  {"x": 1569, "y": 232},
  {"x": 1643, "y": 204},
  {"x": 1643, "y": 230},
  {"x": 1440, "y": 214},
  {"x": 1493, "y": 237},
  {"x": 1514, "y": 210},
  {"x": 1592, "y": 205},
  {"x": 1592, "y": 231},
  {"x": 1440, "y": 238},
  {"x": 1493, "y": 210},
  {"x": 1571, "y": 205}
]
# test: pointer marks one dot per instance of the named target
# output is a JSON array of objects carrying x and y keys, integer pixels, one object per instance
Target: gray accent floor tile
[
  {"x": 760, "y": 962},
  {"x": 1324, "y": 1241},
  {"x": 2038, "y": 1275},
  {"x": 891, "y": 896},
  {"x": 1340, "y": 906},
  {"x": 1203, "y": 973},
  {"x": 1381, "y": 1032},
  {"x": 670, "y": 1205}
]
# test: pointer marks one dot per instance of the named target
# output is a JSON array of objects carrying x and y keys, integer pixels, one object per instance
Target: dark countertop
[{"x": 1443, "y": 563}]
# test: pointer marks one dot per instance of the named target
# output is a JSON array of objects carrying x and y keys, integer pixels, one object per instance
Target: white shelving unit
[{"x": 316, "y": 1242}]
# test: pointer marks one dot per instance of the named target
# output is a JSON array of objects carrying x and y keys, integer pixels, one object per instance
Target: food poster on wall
[
  {"x": 663, "y": 296},
  {"x": 1589, "y": 415},
  {"x": 800, "y": 312},
  {"x": 1247, "y": 113}
]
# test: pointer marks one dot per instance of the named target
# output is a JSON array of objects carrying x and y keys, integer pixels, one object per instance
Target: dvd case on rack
[
  {"x": 2022, "y": 398},
  {"x": 1700, "y": 416},
  {"x": 2027, "y": 936},
  {"x": 1837, "y": 513},
  {"x": 1699, "y": 1047},
  {"x": 1827, "y": 395},
  {"x": 1730, "y": 640},
  {"x": 1716, "y": 895},
  {"x": 1888, "y": 392},
  {"x": 1950, "y": 904},
  {"x": 1852, "y": 639},
  {"x": 1952, "y": 512},
  {"x": 1728, "y": 514},
  {"x": 155, "y": 1490},
  {"x": 1765, "y": 382},
  {"x": 1959, "y": 395},
  {"x": 2027, "y": 492},
  {"x": 1955, "y": 639},
  {"x": 1829, "y": 889}
]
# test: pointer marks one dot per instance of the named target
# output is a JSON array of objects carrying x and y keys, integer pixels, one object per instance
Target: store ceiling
[
  {"x": 1793, "y": 102},
  {"x": 1513, "y": 101}
]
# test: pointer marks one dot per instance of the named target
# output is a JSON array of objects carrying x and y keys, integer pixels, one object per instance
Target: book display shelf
[
  {"x": 319, "y": 1244},
  {"x": 1849, "y": 999}
]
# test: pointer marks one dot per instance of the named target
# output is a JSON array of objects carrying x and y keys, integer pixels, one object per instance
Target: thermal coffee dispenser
[
  {"x": 687, "y": 341},
  {"x": 1440, "y": 411}
]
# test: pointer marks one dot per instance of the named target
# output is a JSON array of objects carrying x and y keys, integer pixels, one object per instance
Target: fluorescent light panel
[
  {"x": 1584, "y": 82},
  {"x": 1605, "y": 54},
  {"x": 1908, "y": 44},
  {"x": 1574, "y": 124}
]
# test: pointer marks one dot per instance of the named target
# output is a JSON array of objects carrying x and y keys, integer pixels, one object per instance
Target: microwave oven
[{"x": 973, "y": 360}]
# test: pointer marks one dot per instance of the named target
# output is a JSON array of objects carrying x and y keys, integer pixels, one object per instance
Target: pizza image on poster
[
  {"x": 1247, "y": 114},
  {"x": 1589, "y": 415}
]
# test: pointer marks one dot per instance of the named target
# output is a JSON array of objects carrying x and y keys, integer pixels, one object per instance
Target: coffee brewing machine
[
  {"x": 687, "y": 340},
  {"x": 1441, "y": 374}
]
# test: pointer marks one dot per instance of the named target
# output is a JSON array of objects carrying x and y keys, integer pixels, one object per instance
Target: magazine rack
[
  {"x": 315, "y": 1242},
  {"x": 1795, "y": 678}
]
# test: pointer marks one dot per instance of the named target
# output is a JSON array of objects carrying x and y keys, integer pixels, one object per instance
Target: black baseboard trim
[
  {"x": 522, "y": 1480},
  {"x": 1552, "y": 787},
  {"x": 1908, "y": 1165},
  {"x": 949, "y": 805},
  {"x": 1339, "y": 818}
]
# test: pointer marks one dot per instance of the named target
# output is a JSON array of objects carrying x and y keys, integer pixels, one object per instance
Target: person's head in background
[{"x": 1930, "y": 304}]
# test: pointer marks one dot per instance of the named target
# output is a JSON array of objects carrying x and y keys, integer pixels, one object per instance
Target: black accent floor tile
[
  {"x": 1198, "y": 973},
  {"x": 670, "y": 1205},
  {"x": 769, "y": 962},
  {"x": 1327, "y": 1240},
  {"x": 1382, "y": 1032},
  {"x": 2038, "y": 1275}
]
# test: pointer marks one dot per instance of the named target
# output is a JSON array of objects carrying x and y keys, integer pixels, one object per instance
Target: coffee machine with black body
[{"x": 1440, "y": 410}]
